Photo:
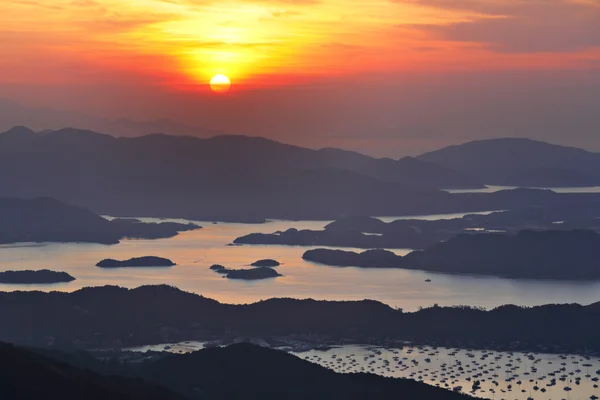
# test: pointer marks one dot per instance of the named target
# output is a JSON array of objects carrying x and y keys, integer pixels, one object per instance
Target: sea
[{"x": 195, "y": 251}]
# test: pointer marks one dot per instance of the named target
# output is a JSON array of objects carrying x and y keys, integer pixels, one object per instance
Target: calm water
[
  {"x": 502, "y": 375},
  {"x": 195, "y": 251},
  {"x": 493, "y": 188}
]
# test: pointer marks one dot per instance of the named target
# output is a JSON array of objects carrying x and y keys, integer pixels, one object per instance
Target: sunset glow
[
  {"x": 309, "y": 71},
  {"x": 191, "y": 41},
  {"x": 220, "y": 84}
]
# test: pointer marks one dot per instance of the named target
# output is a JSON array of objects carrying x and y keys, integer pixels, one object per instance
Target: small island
[
  {"x": 252, "y": 274},
  {"x": 366, "y": 259},
  {"x": 30, "y": 277},
  {"x": 246, "y": 274},
  {"x": 266, "y": 263},
  {"x": 135, "y": 229},
  {"x": 148, "y": 261}
]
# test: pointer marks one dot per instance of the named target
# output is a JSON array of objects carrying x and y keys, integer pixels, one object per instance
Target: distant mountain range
[
  {"x": 236, "y": 178},
  {"x": 224, "y": 177},
  {"x": 44, "y": 119},
  {"x": 520, "y": 162}
]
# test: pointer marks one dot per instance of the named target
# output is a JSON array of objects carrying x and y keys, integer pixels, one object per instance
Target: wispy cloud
[
  {"x": 523, "y": 26},
  {"x": 247, "y": 39}
]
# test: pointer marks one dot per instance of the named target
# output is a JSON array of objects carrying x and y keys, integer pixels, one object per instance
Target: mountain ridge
[{"x": 520, "y": 162}]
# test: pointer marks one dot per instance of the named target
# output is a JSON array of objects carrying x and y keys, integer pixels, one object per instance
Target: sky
[{"x": 385, "y": 77}]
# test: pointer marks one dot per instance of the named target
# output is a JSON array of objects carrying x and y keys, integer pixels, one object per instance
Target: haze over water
[{"x": 195, "y": 251}]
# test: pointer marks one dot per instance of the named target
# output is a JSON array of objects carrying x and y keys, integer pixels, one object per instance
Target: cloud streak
[{"x": 517, "y": 26}]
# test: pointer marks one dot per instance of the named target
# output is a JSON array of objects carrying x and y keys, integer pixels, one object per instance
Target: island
[
  {"x": 49, "y": 220},
  {"x": 266, "y": 263},
  {"x": 246, "y": 274},
  {"x": 252, "y": 274},
  {"x": 553, "y": 254},
  {"x": 418, "y": 234},
  {"x": 367, "y": 259},
  {"x": 219, "y": 268},
  {"x": 30, "y": 277},
  {"x": 148, "y": 261},
  {"x": 135, "y": 229},
  {"x": 408, "y": 237}
]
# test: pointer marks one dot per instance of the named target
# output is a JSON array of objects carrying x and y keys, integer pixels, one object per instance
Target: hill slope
[
  {"x": 567, "y": 255},
  {"x": 28, "y": 375},
  {"x": 109, "y": 317},
  {"x": 247, "y": 371},
  {"x": 49, "y": 220},
  {"x": 225, "y": 177},
  {"x": 520, "y": 162}
]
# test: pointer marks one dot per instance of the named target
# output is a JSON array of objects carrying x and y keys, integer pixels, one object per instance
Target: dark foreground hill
[
  {"x": 28, "y": 375},
  {"x": 49, "y": 220},
  {"x": 244, "y": 371},
  {"x": 520, "y": 162},
  {"x": 109, "y": 317}
]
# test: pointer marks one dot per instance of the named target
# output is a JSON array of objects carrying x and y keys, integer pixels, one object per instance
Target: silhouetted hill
[
  {"x": 569, "y": 255},
  {"x": 225, "y": 177},
  {"x": 47, "y": 119},
  {"x": 520, "y": 162},
  {"x": 229, "y": 178},
  {"x": 247, "y": 371},
  {"x": 109, "y": 317},
  {"x": 407, "y": 237},
  {"x": 560, "y": 217},
  {"x": 112, "y": 316},
  {"x": 28, "y": 375},
  {"x": 371, "y": 233},
  {"x": 48, "y": 220},
  {"x": 407, "y": 170}
]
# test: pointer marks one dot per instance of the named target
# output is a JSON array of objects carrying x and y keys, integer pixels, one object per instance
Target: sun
[{"x": 220, "y": 84}]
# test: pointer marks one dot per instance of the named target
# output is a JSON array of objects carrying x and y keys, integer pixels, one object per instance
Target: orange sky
[
  {"x": 189, "y": 41},
  {"x": 167, "y": 51}
]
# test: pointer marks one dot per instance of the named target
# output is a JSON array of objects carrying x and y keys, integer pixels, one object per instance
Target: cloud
[
  {"x": 32, "y": 3},
  {"x": 523, "y": 26}
]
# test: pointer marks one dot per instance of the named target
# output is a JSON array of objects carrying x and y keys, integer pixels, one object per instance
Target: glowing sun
[{"x": 220, "y": 84}]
